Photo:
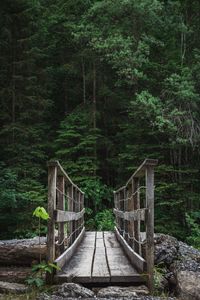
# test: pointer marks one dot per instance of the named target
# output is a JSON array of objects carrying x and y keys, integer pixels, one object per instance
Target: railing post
[
  {"x": 150, "y": 224},
  {"x": 82, "y": 206},
  {"x": 61, "y": 206},
  {"x": 136, "y": 203},
  {"x": 52, "y": 174},
  {"x": 70, "y": 208},
  {"x": 130, "y": 223}
]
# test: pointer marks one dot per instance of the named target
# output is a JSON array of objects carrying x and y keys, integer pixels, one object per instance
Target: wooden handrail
[
  {"x": 129, "y": 215},
  {"x": 61, "y": 171},
  {"x": 65, "y": 205}
]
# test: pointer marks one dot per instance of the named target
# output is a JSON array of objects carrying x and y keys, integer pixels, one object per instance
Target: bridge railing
[
  {"x": 135, "y": 218},
  {"x": 66, "y": 212}
]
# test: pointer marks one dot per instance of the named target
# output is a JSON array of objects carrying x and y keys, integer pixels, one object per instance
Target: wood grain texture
[
  {"x": 136, "y": 260},
  {"x": 65, "y": 216},
  {"x": 67, "y": 255},
  {"x": 52, "y": 174},
  {"x": 61, "y": 206},
  {"x": 150, "y": 225},
  {"x": 137, "y": 215},
  {"x": 99, "y": 259}
]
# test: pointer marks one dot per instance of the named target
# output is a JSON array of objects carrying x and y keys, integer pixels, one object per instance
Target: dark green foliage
[
  {"x": 100, "y": 85},
  {"x": 104, "y": 220},
  {"x": 17, "y": 197}
]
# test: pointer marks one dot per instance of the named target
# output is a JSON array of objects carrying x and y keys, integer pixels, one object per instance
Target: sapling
[
  {"x": 41, "y": 213},
  {"x": 43, "y": 267}
]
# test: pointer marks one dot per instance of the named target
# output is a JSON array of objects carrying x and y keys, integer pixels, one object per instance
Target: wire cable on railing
[
  {"x": 130, "y": 237},
  {"x": 68, "y": 197},
  {"x": 133, "y": 194},
  {"x": 69, "y": 237}
]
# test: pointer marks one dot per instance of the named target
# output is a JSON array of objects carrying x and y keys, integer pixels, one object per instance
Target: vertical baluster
[
  {"x": 150, "y": 225},
  {"x": 136, "y": 203},
  {"x": 79, "y": 209},
  {"x": 131, "y": 208},
  {"x": 76, "y": 194},
  {"x": 121, "y": 207},
  {"x": 52, "y": 174},
  {"x": 116, "y": 207},
  {"x": 73, "y": 209},
  {"x": 61, "y": 206},
  {"x": 70, "y": 208},
  {"x": 82, "y": 207},
  {"x": 125, "y": 208}
]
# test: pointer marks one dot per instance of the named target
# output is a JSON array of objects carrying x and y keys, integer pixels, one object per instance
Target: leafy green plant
[
  {"x": 97, "y": 195},
  {"x": 104, "y": 220},
  {"x": 192, "y": 220},
  {"x": 39, "y": 270},
  {"x": 40, "y": 213},
  {"x": 159, "y": 272},
  {"x": 38, "y": 273}
]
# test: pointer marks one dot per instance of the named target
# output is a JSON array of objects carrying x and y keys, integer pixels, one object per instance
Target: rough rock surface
[
  {"x": 181, "y": 266},
  {"x": 22, "y": 252},
  {"x": 12, "y": 288},
  {"x": 117, "y": 291},
  {"x": 54, "y": 297},
  {"x": 188, "y": 285},
  {"x": 166, "y": 249},
  {"x": 73, "y": 290}
]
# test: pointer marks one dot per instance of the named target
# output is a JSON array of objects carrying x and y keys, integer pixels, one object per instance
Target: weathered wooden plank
[
  {"x": 109, "y": 264},
  {"x": 136, "y": 260},
  {"x": 120, "y": 268},
  {"x": 130, "y": 208},
  {"x": 110, "y": 240},
  {"x": 142, "y": 168},
  {"x": 100, "y": 269},
  {"x": 65, "y": 216},
  {"x": 119, "y": 264},
  {"x": 61, "y": 206},
  {"x": 136, "y": 207},
  {"x": 67, "y": 255},
  {"x": 137, "y": 215},
  {"x": 100, "y": 272},
  {"x": 150, "y": 225},
  {"x": 52, "y": 174},
  {"x": 139, "y": 172},
  {"x": 100, "y": 243},
  {"x": 99, "y": 235},
  {"x": 79, "y": 268},
  {"x": 62, "y": 172},
  {"x": 70, "y": 208},
  {"x": 80, "y": 264}
]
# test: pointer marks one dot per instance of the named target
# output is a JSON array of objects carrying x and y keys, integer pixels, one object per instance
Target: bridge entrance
[{"x": 125, "y": 255}]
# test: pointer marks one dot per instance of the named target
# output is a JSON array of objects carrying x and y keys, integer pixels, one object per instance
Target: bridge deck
[{"x": 99, "y": 259}]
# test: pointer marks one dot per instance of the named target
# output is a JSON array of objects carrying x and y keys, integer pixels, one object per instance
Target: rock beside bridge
[
  {"x": 179, "y": 267},
  {"x": 72, "y": 290},
  {"x": 117, "y": 291},
  {"x": 75, "y": 291},
  {"x": 188, "y": 285}
]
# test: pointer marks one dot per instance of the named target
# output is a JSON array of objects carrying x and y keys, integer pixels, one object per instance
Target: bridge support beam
[
  {"x": 150, "y": 225},
  {"x": 52, "y": 174}
]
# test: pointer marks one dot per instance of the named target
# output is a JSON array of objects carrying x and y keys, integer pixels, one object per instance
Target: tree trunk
[{"x": 22, "y": 252}]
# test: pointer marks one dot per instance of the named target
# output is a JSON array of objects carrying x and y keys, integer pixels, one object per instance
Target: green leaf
[{"x": 40, "y": 212}]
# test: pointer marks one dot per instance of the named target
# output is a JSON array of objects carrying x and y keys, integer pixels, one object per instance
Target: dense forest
[{"x": 100, "y": 85}]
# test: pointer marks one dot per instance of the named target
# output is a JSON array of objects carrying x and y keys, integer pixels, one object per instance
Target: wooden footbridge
[{"x": 123, "y": 256}]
